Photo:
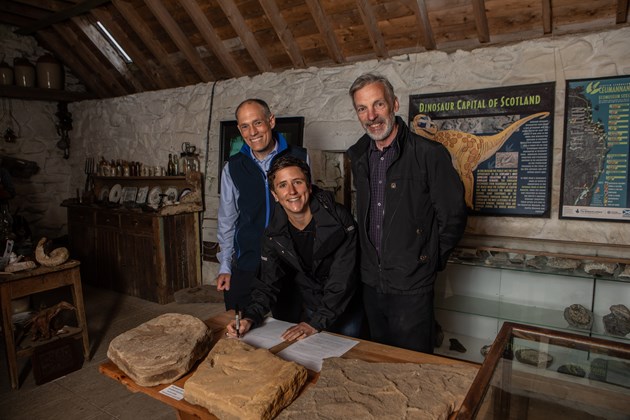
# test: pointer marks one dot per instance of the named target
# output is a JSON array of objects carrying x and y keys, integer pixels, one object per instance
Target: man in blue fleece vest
[{"x": 246, "y": 203}]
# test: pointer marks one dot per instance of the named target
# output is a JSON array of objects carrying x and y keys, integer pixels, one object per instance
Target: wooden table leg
[
  {"x": 77, "y": 295},
  {"x": 7, "y": 330}
]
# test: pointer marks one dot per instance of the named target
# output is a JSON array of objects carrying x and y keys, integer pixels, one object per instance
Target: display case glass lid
[{"x": 532, "y": 373}]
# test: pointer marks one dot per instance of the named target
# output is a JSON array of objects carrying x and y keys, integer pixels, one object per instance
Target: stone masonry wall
[{"x": 148, "y": 126}]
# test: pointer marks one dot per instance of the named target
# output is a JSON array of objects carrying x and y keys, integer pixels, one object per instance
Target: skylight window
[{"x": 113, "y": 42}]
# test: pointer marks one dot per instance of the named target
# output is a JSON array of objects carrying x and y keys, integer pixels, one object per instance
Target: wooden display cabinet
[{"x": 136, "y": 250}]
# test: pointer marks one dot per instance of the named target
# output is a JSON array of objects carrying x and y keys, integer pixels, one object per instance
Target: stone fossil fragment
[
  {"x": 625, "y": 273},
  {"x": 537, "y": 261},
  {"x": 578, "y": 316},
  {"x": 534, "y": 357},
  {"x": 485, "y": 349},
  {"x": 572, "y": 369},
  {"x": 456, "y": 345},
  {"x": 621, "y": 312},
  {"x": 615, "y": 325},
  {"x": 563, "y": 263},
  {"x": 600, "y": 268},
  {"x": 53, "y": 258}
]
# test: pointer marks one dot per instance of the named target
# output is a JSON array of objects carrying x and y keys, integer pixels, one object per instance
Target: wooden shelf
[{"x": 39, "y": 94}]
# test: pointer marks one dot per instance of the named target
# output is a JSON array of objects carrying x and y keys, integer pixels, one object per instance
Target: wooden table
[
  {"x": 365, "y": 350},
  {"x": 40, "y": 279}
]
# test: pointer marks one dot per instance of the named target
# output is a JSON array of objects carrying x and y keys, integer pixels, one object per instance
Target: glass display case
[
  {"x": 473, "y": 299},
  {"x": 538, "y": 373}
]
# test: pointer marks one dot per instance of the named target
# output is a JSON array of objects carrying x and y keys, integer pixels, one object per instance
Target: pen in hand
[{"x": 238, "y": 322}]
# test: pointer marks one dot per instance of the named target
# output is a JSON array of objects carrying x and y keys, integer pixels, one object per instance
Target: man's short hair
[
  {"x": 260, "y": 102},
  {"x": 369, "y": 78}
]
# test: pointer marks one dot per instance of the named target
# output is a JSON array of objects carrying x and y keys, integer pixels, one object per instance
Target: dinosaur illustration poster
[
  {"x": 595, "y": 176},
  {"x": 500, "y": 141}
]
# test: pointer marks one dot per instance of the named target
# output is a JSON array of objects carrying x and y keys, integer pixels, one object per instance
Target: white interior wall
[{"x": 150, "y": 125}]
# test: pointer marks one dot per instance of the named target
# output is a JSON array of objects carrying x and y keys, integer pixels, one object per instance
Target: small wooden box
[{"x": 55, "y": 359}]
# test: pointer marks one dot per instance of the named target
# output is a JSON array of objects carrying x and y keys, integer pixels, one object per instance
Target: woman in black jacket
[{"x": 311, "y": 239}]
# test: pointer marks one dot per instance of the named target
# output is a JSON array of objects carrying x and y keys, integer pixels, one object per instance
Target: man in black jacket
[{"x": 411, "y": 213}]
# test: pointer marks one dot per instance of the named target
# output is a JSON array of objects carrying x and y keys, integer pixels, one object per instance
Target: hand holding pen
[{"x": 238, "y": 322}]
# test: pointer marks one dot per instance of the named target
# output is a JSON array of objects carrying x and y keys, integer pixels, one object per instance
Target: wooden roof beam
[
  {"x": 105, "y": 48},
  {"x": 284, "y": 34},
  {"x": 422, "y": 16},
  {"x": 622, "y": 11},
  {"x": 247, "y": 37},
  {"x": 371, "y": 24},
  {"x": 143, "y": 31},
  {"x": 90, "y": 59},
  {"x": 179, "y": 38},
  {"x": 151, "y": 72},
  {"x": 546, "y": 16},
  {"x": 326, "y": 30},
  {"x": 210, "y": 36},
  {"x": 62, "y": 15},
  {"x": 481, "y": 20},
  {"x": 50, "y": 40}
]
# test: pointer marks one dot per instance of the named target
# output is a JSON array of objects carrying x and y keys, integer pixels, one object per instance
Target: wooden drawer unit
[{"x": 149, "y": 255}]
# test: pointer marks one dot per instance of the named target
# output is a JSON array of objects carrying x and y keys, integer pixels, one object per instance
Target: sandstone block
[
  {"x": 161, "y": 350},
  {"x": 238, "y": 381},
  {"x": 355, "y": 389}
]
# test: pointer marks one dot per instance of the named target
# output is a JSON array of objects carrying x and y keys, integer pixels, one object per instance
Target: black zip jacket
[
  {"x": 425, "y": 213},
  {"x": 334, "y": 281}
]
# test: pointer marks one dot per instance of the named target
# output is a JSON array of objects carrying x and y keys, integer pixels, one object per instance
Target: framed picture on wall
[
  {"x": 292, "y": 128},
  {"x": 595, "y": 176}
]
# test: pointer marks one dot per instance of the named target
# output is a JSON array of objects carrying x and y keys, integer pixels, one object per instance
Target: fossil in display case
[
  {"x": 578, "y": 316},
  {"x": 534, "y": 357},
  {"x": 617, "y": 322},
  {"x": 456, "y": 345},
  {"x": 572, "y": 369}
]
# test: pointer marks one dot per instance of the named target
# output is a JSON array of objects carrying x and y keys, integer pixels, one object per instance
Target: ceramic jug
[
  {"x": 24, "y": 72},
  {"x": 49, "y": 72}
]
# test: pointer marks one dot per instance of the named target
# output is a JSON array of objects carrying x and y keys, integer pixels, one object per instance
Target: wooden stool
[{"x": 40, "y": 279}]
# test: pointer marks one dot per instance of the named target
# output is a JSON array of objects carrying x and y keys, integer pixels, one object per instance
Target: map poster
[
  {"x": 500, "y": 141},
  {"x": 595, "y": 177}
]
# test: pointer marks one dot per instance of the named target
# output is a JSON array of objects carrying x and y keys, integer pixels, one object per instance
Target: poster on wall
[
  {"x": 595, "y": 179},
  {"x": 501, "y": 143}
]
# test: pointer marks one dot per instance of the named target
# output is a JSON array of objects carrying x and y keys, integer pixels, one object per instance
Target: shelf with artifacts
[
  {"x": 481, "y": 290},
  {"x": 139, "y": 235}
]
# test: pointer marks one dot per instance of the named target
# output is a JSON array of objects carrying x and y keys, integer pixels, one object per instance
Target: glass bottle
[{"x": 170, "y": 168}]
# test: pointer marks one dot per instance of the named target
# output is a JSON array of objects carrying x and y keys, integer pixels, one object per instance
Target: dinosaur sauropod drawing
[{"x": 468, "y": 150}]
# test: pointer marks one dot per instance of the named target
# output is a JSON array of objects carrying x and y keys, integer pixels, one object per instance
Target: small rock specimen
[
  {"x": 625, "y": 273},
  {"x": 161, "y": 350},
  {"x": 238, "y": 381},
  {"x": 534, "y": 357},
  {"x": 578, "y": 316},
  {"x": 617, "y": 322},
  {"x": 600, "y": 268},
  {"x": 456, "y": 345},
  {"x": 355, "y": 389},
  {"x": 563, "y": 263},
  {"x": 572, "y": 369},
  {"x": 485, "y": 349}
]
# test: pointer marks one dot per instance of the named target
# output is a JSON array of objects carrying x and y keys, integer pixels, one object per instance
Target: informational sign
[
  {"x": 500, "y": 141},
  {"x": 595, "y": 177}
]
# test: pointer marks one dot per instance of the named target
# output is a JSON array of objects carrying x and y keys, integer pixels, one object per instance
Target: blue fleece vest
[{"x": 255, "y": 202}]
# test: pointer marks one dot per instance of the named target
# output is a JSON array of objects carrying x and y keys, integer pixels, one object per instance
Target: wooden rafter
[
  {"x": 135, "y": 22},
  {"x": 53, "y": 42},
  {"x": 546, "y": 16},
  {"x": 89, "y": 57},
  {"x": 62, "y": 15},
  {"x": 325, "y": 30},
  {"x": 104, "y": 47},
  {"x": 422, "y": 16},
  {"x": 481, "y": 20},
  {"x": 210, "y": 36},
  {"x": 152, "y": 74},
  {"x": 284, "y": 33},
  {"x": 247, "y": 37},
  {"x": 622, "y": 11},
  {"x": 179, "y": 38},
  {"x": 371, "y": 24}
]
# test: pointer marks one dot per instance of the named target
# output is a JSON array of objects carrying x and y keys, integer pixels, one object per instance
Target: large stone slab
[
  {"x": 354, "y": 389},
  {"x": 161, "y": 350},
  {"x": 238, "y": 381}
]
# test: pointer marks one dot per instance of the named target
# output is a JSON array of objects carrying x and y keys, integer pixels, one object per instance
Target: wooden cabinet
[{"x": 145, "y": 254}]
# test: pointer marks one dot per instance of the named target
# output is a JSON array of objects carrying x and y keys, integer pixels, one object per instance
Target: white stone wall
[{"x": 148, "y": 126}]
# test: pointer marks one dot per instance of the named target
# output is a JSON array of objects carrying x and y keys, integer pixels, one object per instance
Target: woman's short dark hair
[{"x": 287, "y": 161}]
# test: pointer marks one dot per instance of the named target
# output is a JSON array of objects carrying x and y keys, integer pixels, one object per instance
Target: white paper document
[
  {"x": 312, "y": 351},
  {"x": 173, "y": 391},
  {"x": 267, "y": 335}
]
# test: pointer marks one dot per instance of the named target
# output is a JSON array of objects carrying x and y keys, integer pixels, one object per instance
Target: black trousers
[{"x": 405, "y": 321}]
